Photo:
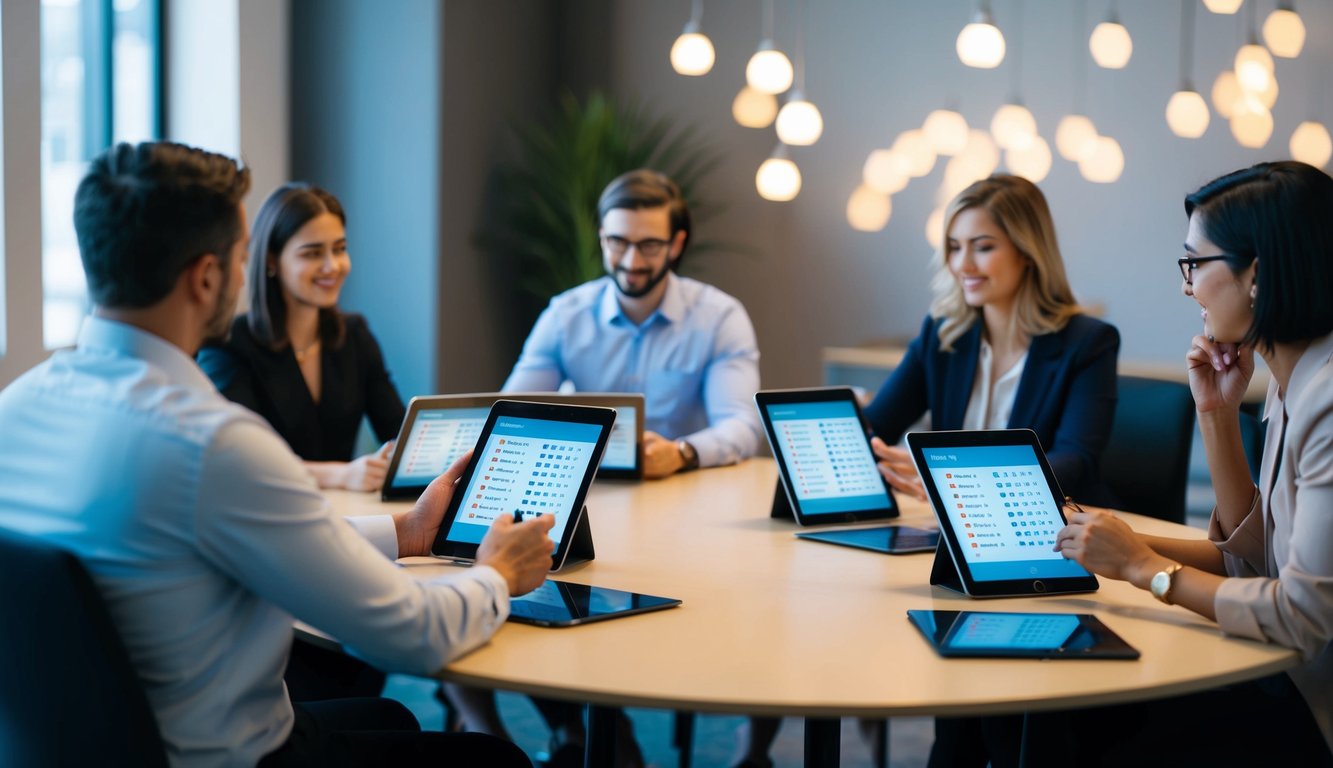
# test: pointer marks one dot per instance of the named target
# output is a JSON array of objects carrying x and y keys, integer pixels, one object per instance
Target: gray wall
[{"x": 402, "y": 107}]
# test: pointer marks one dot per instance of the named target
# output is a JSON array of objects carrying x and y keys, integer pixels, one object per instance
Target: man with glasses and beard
[{"x": 688, "y": 347}]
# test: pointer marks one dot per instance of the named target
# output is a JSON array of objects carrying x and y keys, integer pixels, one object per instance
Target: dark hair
[
  {"x": 646, "y": 188},
  {"x": 281, "y": 216},
  {"x": 1281, "y": 214},
  {"x": 144, "y": 213}
]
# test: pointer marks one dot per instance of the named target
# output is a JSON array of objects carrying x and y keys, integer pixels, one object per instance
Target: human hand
[
  {"x": 417, "y": 528},
  {"x": 521, "y": 552},
  {"x": 661, "y": 457},
  {"x": 366, "y": 473},
  {"x": 1219, "y": 373},
  {"x": 895, "y": 464},
  {"x": 1104, "y": 544}
]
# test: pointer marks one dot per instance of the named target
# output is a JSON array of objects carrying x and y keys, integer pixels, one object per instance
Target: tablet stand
[
  {"x": 580, "y": 546},
  {"x": 781, "y": 505},
  {"x": 943, "y": 573}
]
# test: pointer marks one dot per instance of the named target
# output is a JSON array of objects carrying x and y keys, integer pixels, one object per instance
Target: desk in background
[{"x": 776, "y": 626}]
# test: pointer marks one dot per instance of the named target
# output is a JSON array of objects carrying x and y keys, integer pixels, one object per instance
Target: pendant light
[
  {"x": 1110, "y": 43},
  {"x": 885, "y": 173},
  {"x": 1254, "y": 64},
  {"x": 946, "y": 130},
  {"x": 935, "y": 228},
  {"x": 1225, "y": 7},
  {"x": 868, "y": 210},
  {"x": 769, "y": 69},
  {"x": 1284, "y": 32},
  {"x": 799, "y": 122},
  {"x": 1310, "y": 143},
  {"x": 1075, "y": 132},
  {"x": 1186, "y": 111},
  {"x": 913, "y": 146},
  {"x": 1226, "y": 93},
  {"x": 981, "y": 44},
  {"x": 1013, "y": 125},
  {"x": 754, "y": 109},
  {"x": 1032, "y": 162},
  {"x": 1105, "y": 163},
  {"x": 692, "y": 54},
  {"x": 778, "y": 178},
  {"x": 1251, "y": 123}
]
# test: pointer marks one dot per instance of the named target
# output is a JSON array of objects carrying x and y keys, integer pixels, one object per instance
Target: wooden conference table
[{"x": 772, "y": 625}]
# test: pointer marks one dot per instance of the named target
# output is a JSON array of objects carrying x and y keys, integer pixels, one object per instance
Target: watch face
[{"x": 1161, "y": 582}]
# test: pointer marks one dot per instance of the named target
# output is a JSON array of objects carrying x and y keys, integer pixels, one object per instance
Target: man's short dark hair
[
  {"x": 1281, "y": 214},
  {"x": 145, "y": 212},
  {"x": 646, "y": 188}
]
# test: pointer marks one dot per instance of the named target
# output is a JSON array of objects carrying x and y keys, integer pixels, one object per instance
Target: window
[{"x": 101, "y": 64}]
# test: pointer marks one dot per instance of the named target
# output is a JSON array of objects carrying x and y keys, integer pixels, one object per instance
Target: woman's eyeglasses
[{"x": 1187, "y": 265}]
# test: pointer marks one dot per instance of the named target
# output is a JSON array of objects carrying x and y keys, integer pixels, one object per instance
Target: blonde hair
[{"x": 1045, "y": 302}]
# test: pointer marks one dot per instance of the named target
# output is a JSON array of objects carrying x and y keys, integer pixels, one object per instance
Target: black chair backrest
[
  {"x": 1146, "y": 465},
  {"x": 68, "y": 694}
]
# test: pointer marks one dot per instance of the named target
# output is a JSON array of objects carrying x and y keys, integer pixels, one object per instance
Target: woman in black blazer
[
  {"x": 1005, "y": 345},
  {"x": 311, "y": 370}
]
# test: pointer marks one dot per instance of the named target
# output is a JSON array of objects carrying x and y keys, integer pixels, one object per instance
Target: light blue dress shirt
[
  {"x": 695, "y": 360},
  {"x": 206, "y": 536}
]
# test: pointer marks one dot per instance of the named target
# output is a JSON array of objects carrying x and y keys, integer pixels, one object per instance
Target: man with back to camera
[
  {"x": 201, "y": 529},
  {"x": 688, "y": 347}
]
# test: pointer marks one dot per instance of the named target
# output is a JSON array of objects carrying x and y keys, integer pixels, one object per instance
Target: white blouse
[{"x": 992, "y": 401}]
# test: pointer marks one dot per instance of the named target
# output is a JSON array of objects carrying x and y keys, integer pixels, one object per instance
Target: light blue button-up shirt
[
  {"x": 206, "y": 536},
  {"x": 695, "y": 360}
]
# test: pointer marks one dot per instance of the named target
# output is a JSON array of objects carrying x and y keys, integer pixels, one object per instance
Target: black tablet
[
  {"x": 888, "y": 539},
  {"x": 532, "y": 459},
  {"x": 822, "y": 446},
  {"x": 999, "y": 508},
  {"x": 1021, "y": 635},
  {"x": 561, "y": 604},
  {"x": 438, "y": 429}
]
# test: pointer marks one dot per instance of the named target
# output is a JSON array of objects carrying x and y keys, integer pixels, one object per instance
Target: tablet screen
[
  {"x": 1002, "y": 511},
  {"x": 622, "y": 447},
  {"x": 557, "y": 603},
  {"x": 436, "y": 440},
  {"x": 827, "y": 457},
  {"x": 1028, "y": 631},
  {"x": 530, "y": 466}
]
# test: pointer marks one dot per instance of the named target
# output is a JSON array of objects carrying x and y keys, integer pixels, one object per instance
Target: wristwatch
[
  {"x": 1162, "y": 581},
  {"x": 690, "y": 456}
]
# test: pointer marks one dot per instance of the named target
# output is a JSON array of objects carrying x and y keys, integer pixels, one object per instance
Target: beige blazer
[{"x": 1283, "y": 551}]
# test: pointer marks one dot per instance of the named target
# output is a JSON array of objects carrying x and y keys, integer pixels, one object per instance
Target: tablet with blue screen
[
  {"x": 999, "y": 508},
  {"x": 1020, "y": 635},
  {"x": 532, "y": 460},
  {"x": 821, "y": 444}
]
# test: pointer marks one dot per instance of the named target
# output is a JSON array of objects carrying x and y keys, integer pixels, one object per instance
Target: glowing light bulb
[
  {"x": 778, "y": 178},
  {"x": 754, "y": 109},
  {"x": 1074, "y": 137},
  {"x": 1225, "y": 7},
  {"x": 799, "y": 122},
  {"x": 1032, "y": 162},
  {"x": 884, "y": 173},
  {"x": 1226, "y": 93},
  {"x": 981, "y": 154},
  {"x": 1105, "y": 163},
  {"x": 946, "y": 130},
  {"x": 935, "y": 228},
  {"x": 1013, "y": 126},
  {"x": 868, "y": 210},
  {"x": 981, "y": 44},
  {"x": 914, "y": 146},
  {"x": 1284, "y": 32},
  {"x": 692, "y": 54},
  {"x": 1252, "y": 123},
  {"x": 769, "y": 70},
  {"x": 1254, "y": 67},
  {"x": 1187, "y": 114},
  {"x": 1111, "y": 44},
  {"x": 1310, "y": 143}
]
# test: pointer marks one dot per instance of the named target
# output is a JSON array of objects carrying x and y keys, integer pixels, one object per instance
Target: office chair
[
  {"x": 1146, "y": 464},
  {"x": 68, "y": 695}
]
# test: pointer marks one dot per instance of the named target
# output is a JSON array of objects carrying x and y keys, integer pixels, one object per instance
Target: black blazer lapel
[
  {"x": 1039, "y": 373},
  {"x": 961, "y": 365}
]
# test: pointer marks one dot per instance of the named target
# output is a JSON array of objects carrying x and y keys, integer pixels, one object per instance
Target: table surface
[{"x": 778, "y": 626}]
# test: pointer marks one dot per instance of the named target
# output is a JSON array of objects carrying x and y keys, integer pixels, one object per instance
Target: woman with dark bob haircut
[
  {"x": 1259, "y": 261},
  {"x": 311, "y": 370}
]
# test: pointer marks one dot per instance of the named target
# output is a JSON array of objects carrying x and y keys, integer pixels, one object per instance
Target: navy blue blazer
[{"x": 1067, "y": 395}]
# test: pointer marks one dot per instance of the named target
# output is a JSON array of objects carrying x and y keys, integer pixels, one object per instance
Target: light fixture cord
[
  {"x": 768, "y": 19},
  {"x": 1080, "y": 63},
  {"x": 1254, "y": 22},
  {"x": 697, "y": 13},
  {"x": 800, "y": 47},
  {"x": 1186, "y": 42},
  {"x": 1016, "y": 73}
]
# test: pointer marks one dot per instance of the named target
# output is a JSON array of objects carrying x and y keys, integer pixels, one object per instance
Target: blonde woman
[{"x": 1005, "y": 345}]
